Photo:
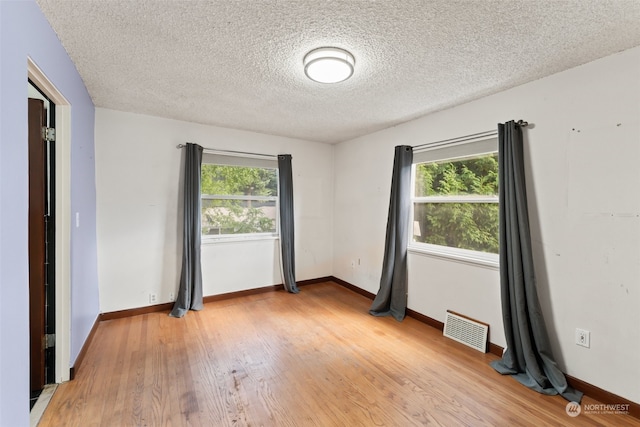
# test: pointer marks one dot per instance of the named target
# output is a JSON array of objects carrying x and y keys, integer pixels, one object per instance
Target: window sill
[
  {"x": 476, "y": 258},
  {"x": 205, "y": 241}
]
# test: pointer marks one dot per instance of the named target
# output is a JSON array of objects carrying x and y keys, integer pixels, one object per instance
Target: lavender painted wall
[{"x": 24, "y": 31}]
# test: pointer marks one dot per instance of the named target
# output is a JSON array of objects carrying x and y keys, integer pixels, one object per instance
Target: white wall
[
  {"x": 138, "y": 171},
  {"x": 582, "y": 157}
]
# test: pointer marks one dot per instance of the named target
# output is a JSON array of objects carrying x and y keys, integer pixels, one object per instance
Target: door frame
[{"x": 62, "y": 219}]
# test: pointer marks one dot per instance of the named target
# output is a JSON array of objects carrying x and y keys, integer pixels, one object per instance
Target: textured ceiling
[{"x": 238, "y": 64}]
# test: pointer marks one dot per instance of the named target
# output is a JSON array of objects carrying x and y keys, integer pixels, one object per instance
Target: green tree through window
[
  {"x": 455, "y": 203},
  {"x": 238, "y": 199}
]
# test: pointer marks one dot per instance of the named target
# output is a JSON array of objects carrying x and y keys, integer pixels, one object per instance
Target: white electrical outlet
[
  {"x": 583, "y": 337},
  {"x": 172, "y": 297},
  {"x": 153, "y": 298}
]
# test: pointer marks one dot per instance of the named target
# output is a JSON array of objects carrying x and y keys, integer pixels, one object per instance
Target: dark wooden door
[{"x": 37, "y": 239}]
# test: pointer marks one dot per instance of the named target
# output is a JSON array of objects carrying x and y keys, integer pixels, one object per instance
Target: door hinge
[
  {"x": 48, "y": 134},
  {"x": 48, "y": 341}
]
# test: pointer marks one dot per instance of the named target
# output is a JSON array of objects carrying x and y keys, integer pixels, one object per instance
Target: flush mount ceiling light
[{"x": 328, "y": 65}]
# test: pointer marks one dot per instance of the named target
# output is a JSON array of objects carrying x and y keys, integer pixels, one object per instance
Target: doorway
[
  {"x": 42, "y": 294},
  {"x": 62, "y": 226}
]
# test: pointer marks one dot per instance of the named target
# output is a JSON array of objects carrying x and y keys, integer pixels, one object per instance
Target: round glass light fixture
[{"x": 328, "y": 65}]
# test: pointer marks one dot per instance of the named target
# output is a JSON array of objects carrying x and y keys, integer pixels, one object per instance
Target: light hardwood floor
[{"x": 313, "y": 359}]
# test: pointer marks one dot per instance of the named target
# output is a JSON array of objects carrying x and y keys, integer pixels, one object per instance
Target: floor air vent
[{"x": 467, "y": 331}]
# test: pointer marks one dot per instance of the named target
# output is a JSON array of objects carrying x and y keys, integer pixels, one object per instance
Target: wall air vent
[{"x": 466, "y": 331}]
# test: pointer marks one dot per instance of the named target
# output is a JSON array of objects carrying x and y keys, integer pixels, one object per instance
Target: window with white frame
[
  {"x": 455, "y": 200},
  {"x": 239, "y": 196}
]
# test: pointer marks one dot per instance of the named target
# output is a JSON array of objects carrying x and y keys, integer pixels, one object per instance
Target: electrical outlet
[
  {"x": 583, "y": 337},
  {"x": 153, "y": 298},
  {"x": 172, "y": 297}
]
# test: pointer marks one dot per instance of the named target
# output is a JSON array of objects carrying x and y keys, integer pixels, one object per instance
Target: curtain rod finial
[{"x": 522, "y": 123}]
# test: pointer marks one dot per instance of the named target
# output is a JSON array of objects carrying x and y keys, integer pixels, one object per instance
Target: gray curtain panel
[
  {"x": 288, "y": 258},
  {"x": 528, "y": 357},
  {"x": 391, "y": 298},
  {"x": 190, "y": 291}
]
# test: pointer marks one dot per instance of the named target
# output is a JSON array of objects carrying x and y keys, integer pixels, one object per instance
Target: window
[
  {"x": 455, "y": 201},
  {"x": 239, "y": 196}
]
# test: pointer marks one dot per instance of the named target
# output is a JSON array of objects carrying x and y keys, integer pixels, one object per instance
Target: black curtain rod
[
  {"x": 466, "y": 138},
  {"x": 231, "y": 152}
]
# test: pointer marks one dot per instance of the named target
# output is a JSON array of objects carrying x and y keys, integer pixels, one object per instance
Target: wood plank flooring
[{"x": 313, "y": 359}]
